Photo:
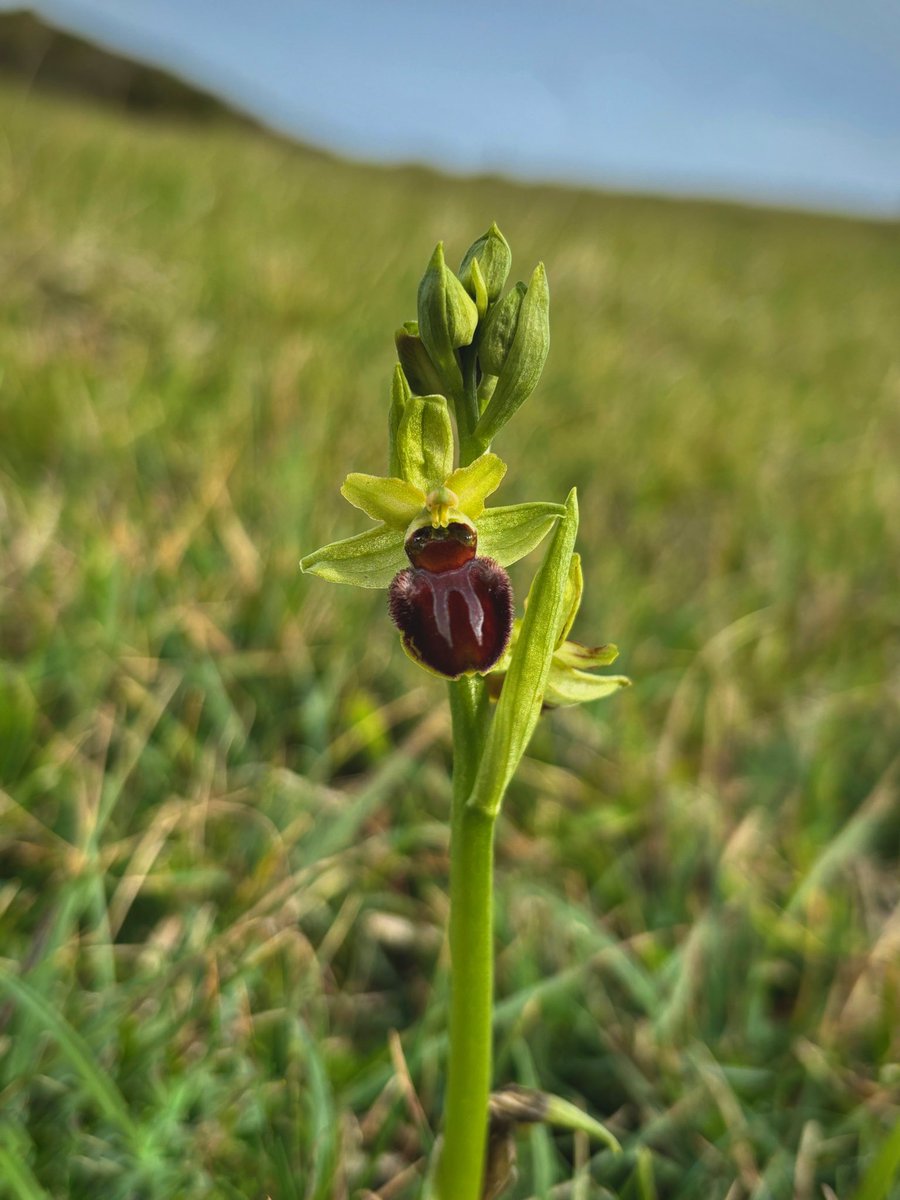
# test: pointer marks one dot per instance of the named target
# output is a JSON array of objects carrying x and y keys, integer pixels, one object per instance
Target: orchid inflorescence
[{"x": 470, "y": 360}]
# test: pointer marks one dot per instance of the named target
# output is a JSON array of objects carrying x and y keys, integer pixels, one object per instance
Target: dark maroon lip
[
  {"x": 442, "y": 549},
  {"x": 457, "y": 619}
]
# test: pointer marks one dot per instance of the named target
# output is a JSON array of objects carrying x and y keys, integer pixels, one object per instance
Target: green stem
[{"x": 461, "y": 1165}]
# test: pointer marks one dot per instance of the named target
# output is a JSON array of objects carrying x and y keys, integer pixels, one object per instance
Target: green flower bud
[
  {"x": 418, "y": 368},
  {"x": 524, "y": 360},
  {"x": 447, "y": 319},
  {"x": 494, "y": 258},
  {"x": 496, "y": 340}
]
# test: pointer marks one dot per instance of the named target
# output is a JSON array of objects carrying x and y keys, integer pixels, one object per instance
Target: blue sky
[{"x": 783, "y": 101}]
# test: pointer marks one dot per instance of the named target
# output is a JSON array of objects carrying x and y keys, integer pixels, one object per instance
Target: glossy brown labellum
[{"x": 454, "y": 610}]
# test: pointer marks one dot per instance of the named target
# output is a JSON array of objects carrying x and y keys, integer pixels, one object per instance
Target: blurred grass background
[{"x": 223, "y": 816}]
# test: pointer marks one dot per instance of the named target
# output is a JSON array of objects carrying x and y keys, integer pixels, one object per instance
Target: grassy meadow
[{"x": 224, "y": 790}]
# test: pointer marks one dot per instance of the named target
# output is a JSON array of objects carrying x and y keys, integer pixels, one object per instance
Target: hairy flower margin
[{"x": 478, "y": 355}]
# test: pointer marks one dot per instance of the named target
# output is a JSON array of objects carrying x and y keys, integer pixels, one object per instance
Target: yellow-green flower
[{"x": 427, "y": 488}]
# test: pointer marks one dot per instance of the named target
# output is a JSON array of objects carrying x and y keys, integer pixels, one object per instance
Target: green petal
[
  {"x": 475, "y": 482},
  {"x": 573, "y": 654},
  {"x": 566, "y": 686},
  {"x": 393, "y": 501},
  {"x": 369, "y": 559},
  {"x": 508, "y": 533}
]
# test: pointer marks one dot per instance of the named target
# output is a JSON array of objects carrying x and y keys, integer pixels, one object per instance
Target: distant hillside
[{"x": 51, "y": 59}]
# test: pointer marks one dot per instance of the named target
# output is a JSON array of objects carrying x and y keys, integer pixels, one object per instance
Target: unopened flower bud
[
  {"x": 523, "y": 361},
  {"x": 447, "y": 319},
  {"x": 492, "y": 253},
  {"x": 495, "y": 341},
  {"x": 418, "y": 368}
]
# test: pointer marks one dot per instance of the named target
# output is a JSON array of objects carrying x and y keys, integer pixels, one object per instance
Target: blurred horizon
[{"x": 793, "y": 105}]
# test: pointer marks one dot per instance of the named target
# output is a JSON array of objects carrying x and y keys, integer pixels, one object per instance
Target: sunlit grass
[{"x": 223, "y": 843}]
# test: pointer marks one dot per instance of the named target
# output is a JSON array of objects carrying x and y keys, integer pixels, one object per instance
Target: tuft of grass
[{"x": 223, "y": 847}]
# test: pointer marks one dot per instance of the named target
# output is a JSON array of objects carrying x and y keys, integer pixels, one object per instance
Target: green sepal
[
  {"x": 393, "y": 501},
  {"x": 447, "y": 319},
  {"x": 566, "y": 686},
  {"x": 474, "y": 483},
  {"x": 524, "y": 361},
  {"x": 496, "y": 338},
  {"x": 494, "y": 258},
  {"x": 520, "y": 701},
  {"x": 509, "y": 532},
  {"x": 369, "y": 559},
  {"x": 420, "y": 371},
  {"x": 425, "y": 442},
  {"x": 572, "y": 654},
  {"x": 400, "y": 393}
]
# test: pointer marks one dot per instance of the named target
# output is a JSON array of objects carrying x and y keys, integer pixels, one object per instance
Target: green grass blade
[
  {"x": 884, "y": 1170},
  {"x": 15, "y": 1172},
  {"x": 80, "y": 1055}
]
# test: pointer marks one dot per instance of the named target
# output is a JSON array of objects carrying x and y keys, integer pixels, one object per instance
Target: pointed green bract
[
  {"x": 369, "y": 560},
  {"x": 508, "y": 533},
  {"x": 393, "y": 501},
  {"x": 520, "y": 701},
  {"x": 474, "y": 483},
  {"x": 425, "y": 442}
]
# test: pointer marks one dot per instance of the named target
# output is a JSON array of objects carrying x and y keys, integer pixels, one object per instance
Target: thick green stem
[{"x": 461, "y": 1165}]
